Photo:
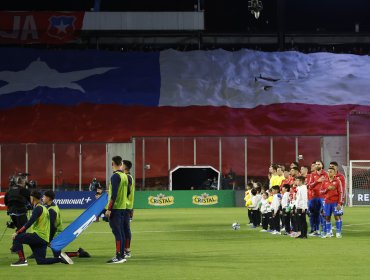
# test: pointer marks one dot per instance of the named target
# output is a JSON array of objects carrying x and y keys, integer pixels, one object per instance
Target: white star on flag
[
  {"x": 61, "y": 27},
  {"x": 39, "y": 74}
]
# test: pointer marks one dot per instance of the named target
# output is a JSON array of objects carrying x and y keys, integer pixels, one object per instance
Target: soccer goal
[{"x": 359, "y": 183}]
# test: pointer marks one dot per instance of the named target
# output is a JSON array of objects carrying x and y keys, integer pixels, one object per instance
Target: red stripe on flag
[{"x": 115, "y": 123}]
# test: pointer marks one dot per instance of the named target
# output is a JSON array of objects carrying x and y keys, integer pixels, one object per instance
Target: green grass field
[{"x": 200, "y": 244}]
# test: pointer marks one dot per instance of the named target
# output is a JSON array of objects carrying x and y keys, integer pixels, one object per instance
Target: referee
[{"x": 117, "y": 204}]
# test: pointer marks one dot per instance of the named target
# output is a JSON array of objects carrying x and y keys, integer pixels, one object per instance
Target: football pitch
[{"x": 200, "y": 244}]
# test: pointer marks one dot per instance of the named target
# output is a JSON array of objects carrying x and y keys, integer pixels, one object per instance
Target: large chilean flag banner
[{"x": 54, "y": 95}]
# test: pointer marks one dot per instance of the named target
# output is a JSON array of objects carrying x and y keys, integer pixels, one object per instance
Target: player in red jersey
[
  {"x": 332, "y": 189},
  {"x": 294, "y": 164},
  {"x": 340, "y": 177},
  {"x": 304, "y": 173},
  {"x": 293, "y": 187},
  {"x": 287, "y": 179},
  {"x": 342, "y": 180},
  {"x": 316, "y": 180}
]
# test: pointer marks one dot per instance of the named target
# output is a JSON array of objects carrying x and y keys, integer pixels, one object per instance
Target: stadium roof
[{"x": 330, "y": 16}]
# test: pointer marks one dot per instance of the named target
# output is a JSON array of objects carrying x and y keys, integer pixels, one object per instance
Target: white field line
[
  {"x": 350, "y": 225},
  {"x": 353, "y": 230},
  {"x": 162, "y": 231},
  {"x": 196, "y": 230},
  {"x": 152, "y": 231},
  {"x": 199, "y": 230}
]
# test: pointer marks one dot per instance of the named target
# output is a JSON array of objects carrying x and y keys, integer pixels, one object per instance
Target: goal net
[{"x": 359, "y": 183}]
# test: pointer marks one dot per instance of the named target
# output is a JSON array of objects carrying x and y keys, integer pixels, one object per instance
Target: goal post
[{"x": 359, "y": 183}]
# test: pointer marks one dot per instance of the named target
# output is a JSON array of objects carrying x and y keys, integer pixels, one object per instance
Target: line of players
[
  {"x": 46, "y": 222},
  {"x": 294, "y": 194}
]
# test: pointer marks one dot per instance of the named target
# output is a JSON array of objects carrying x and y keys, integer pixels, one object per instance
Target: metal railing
[{"x": 71, "y": 166}]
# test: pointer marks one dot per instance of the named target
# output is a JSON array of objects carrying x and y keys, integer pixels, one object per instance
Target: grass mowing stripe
[{"x": 200, "y": 244}]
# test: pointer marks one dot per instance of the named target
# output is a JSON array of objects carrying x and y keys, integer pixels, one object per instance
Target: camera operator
[
  {"x": 98, "y": 188},
  {"x": 17, "y": 199}
]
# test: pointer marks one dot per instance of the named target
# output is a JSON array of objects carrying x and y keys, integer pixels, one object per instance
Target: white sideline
[
  {"x": 158, "y": 231},
  {"x": 150, "y": 231},
  {"x": 192, "y": 230}
]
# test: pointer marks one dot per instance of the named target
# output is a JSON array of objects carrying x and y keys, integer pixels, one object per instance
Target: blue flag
[{"x": 71, "y": 232}]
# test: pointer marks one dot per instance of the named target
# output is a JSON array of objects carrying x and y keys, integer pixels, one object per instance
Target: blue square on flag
[
  {"x": 61, "y": 26},
  {"x": 29, "y": 77}
]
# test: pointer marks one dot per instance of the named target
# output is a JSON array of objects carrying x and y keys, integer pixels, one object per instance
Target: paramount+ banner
[
  {"x": 65, "y": 200},
  {"x": 184, "y": 199},
  {"x": 74, "y": 199}
]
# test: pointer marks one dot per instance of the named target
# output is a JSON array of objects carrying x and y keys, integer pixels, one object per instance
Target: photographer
[
  {"x": 97, "y": 187},
  {"x": 17, "y": 199}
]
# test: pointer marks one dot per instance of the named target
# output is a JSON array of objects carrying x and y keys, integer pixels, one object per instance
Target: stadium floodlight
[{"x": 255, "y": 6}]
